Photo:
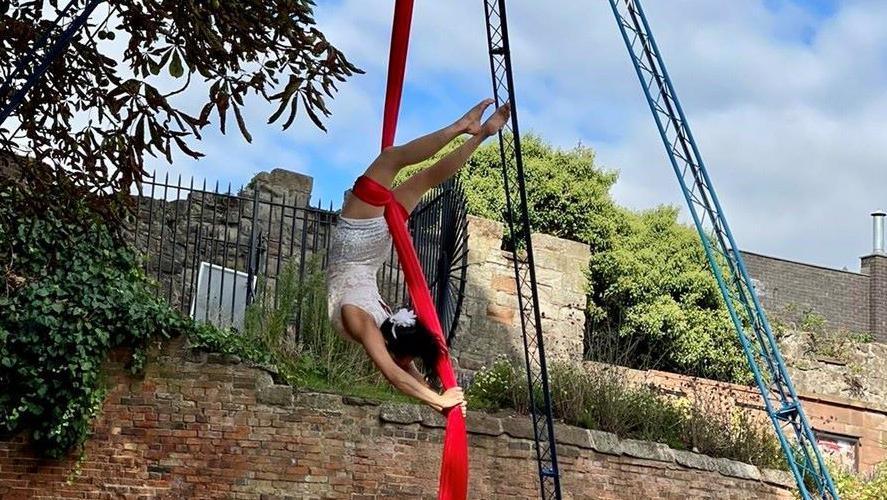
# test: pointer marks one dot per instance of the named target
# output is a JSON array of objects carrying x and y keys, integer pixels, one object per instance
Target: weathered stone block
[
  {"x": 575, "y": 436},
  {"x": 518, "y": 427},
  {"x": 733, "y": 468},
  {"x": 400, "y": 413},
  {"x": 502, "y": 315},
  {"x": 481, "y": 423},
  {"x": 277, "y": 395},
  {"x": 646, "y": 449},
  {"x": 605, "y": 442},
  {"x": 694, "y": 460}
]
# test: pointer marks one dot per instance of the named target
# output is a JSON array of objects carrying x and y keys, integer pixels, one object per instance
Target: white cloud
[{"x": 791, "y": 128}]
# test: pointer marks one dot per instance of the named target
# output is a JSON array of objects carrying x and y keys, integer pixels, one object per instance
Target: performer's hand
[{"x": 452, "y": 397}]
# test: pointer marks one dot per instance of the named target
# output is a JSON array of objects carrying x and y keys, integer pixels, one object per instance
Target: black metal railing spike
[
  {"x": 255, "y": 230},
  {"x": 150, "y": 221},
  {"x": 238, "y": 202},
  {"x": 211, "y": 239},
  {"x": 183, "y": 299},
  {"x": 175, "y": 228},
  {"x": 225, "y": 259},
  {"x": 162, "y": 227}
]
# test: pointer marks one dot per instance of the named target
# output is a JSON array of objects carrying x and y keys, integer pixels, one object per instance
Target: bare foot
[
  {"x": 470, "y": 123},
  {"x": 497, "y": 120}
]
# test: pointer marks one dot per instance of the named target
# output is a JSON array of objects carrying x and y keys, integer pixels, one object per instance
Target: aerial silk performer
[{"x": 375, "y": 215}]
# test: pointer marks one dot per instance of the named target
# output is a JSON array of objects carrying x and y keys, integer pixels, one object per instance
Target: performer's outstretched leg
[
  {"x": 393, "y": 159},
  {"x": 411, "y": 191},
  {"x": 362, "y": 241}
]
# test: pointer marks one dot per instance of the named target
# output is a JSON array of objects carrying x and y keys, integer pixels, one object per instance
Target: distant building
[{"x": 852, "y": 301}]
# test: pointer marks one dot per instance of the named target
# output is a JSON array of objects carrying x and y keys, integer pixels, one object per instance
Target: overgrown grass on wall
[
  {"x": 291, "y": 333},
  {"x": 599, "y": 397}
]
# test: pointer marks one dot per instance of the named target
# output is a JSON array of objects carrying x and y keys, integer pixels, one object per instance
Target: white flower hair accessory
[{"x": 404, "y": 317}]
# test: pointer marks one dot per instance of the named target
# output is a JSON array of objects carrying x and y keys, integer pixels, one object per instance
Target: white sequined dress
[{"x": 358, "y": 248}]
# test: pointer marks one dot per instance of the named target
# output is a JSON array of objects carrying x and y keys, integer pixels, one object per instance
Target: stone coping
[
  {"x": 485, "y": 424},
  {"x": 520, "y": 427}
]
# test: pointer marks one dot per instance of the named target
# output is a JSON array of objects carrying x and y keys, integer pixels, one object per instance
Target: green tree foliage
[
  {"x": 70, "y": 293},
  {"x": 650, "y": 288},
  {"x": 98, "y": 112},
  {"x": 568, "y": 193}
]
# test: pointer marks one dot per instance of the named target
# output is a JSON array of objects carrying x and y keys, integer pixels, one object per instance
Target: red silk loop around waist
[
  {"x": 371, "y": 192},
  {"x": 454, "y": 467}
]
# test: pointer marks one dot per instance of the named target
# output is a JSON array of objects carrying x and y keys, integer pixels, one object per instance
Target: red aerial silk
[
  {"x": 397, "y": 63},
  {"x": 454, "y": 466}
]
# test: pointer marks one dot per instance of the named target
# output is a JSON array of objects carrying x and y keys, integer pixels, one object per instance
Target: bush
[
  {"x": 651, "y": 286},
  {"x": 73, "y": 291},
  {"x": 872, "y": 486},
  {"x": 598, "y": 397},
  {"x": 497, "y": 387}
]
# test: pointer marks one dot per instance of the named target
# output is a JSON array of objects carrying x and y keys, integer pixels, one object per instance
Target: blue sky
[{"x": 787, "y": 99}]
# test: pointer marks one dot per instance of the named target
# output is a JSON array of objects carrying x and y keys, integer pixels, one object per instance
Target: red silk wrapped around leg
[{"x": 454, "y": 465}]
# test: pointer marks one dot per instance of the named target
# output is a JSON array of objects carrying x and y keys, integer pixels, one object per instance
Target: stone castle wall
[
  {"x": 198, "y": 429},
  {"x": 490, "y": 324}
]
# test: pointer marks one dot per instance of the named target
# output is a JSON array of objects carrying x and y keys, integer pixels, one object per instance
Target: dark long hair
[{"x": 411, "y": 340}]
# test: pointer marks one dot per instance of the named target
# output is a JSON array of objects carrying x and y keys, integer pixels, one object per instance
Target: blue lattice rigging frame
[{"x": 761, "y": 350}]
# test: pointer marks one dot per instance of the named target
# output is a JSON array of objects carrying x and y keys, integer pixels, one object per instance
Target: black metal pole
[{"x": 524, "y": 265}]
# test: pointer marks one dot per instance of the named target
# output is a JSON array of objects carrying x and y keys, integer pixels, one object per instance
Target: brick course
[{"x": 208, "y": 430}]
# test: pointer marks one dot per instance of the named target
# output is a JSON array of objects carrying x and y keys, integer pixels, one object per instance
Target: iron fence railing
[{"x": 211, "y": 252}]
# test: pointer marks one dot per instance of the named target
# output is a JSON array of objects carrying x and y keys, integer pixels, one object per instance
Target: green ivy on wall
[{"x": 72, "y": 291}]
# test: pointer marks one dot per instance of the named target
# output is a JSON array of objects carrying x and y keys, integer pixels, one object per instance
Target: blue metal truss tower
[{"x": 761, "y": 350}]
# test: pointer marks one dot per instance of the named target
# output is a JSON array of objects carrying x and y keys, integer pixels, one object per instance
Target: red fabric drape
[
  {"x": 397, "y": 63},
  {"x": 454, "y": 465}
]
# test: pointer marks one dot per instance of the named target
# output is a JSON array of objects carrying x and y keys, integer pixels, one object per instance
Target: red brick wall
[{"x": 213, "y": 430}]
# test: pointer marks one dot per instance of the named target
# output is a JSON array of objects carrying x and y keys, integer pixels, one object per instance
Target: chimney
[
  {"x": 875, "y": 266},
  {"x": 878, "y": 247}
]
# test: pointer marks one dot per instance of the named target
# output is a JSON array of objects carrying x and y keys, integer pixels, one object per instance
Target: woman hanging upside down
[{"x": 361, "y": 242}]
